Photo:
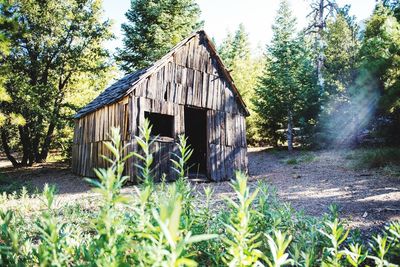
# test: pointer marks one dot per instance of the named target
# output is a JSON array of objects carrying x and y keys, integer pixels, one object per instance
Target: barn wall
[{"x": 190, "y": 77}]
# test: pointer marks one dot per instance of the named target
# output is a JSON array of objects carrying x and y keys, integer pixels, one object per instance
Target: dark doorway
[{"x": 196, "y": 132}]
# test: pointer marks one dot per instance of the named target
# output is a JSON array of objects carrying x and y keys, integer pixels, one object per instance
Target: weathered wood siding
[{"x": 190, "y": 77}]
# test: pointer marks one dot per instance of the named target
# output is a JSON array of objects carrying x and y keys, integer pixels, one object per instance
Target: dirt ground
[{"x": 366, "y": 199}]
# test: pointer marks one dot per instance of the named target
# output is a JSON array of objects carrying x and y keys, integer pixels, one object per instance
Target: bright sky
[{"x": 221, "y": 16}]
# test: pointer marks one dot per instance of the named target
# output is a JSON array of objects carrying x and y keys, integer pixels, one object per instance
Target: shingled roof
[{"x": 124, "y": 86}]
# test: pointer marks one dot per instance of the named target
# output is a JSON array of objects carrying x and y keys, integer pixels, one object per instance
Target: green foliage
[
  {"x": 6, "y": 118},
  {"x": 341, "y": 50},
  {"x": 336, "y": 234},
  {"x": 185, "y": 152},
  {"x": 53, "y": 50},
  {"x": 379, "y": 47},
  {"x": 144, "y": 141},
  {"x": 158, "y": 226},
  {"x": 9, "y": 186},
  {"x": 375, "y": 158},
  {"x": 153, "y": 28},
  {"x": 245, "y": 70},
  {"x": 278, "y": 248},
  {"x": 242, "y": 242},
  {"x": 235, "y": 48},
  {"x": 287, "y": 94},
  {"x": 340, "y": 68},
  {"x": 377, "y": 82},
  {"x": 302, "y": 158},
  {"x": 355, "y": 254}
]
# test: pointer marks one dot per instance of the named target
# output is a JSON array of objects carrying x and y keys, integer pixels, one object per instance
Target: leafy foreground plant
[
  {"x": 241, "y": 241},
  {"x": 173, "y": 225}
]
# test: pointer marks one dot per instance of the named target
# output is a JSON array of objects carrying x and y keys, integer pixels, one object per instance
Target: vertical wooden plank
[
  {"x": 223, "y": 161},
  {"x": 209, "y": 92},
  {"x": 213, "y": 161},
  {"x": 204, "y": 90}
]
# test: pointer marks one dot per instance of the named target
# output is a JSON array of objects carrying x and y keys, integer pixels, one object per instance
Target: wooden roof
[{"x": 124, "y": 86}]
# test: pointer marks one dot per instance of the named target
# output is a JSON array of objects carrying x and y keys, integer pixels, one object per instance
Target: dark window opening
[{"x": 163, "y": 125}]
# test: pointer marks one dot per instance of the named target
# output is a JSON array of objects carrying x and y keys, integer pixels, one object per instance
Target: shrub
[
  {"x": 302, "y": 158},
  {"x": 375, "y": 158},
  {"x": 165, "y": 225}
]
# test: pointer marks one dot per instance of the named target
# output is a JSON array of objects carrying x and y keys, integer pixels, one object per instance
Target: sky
[{"x": 221, "y": 16}]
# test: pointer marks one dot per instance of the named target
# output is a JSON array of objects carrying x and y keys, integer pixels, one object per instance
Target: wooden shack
[{"x": 188, "y": 91}]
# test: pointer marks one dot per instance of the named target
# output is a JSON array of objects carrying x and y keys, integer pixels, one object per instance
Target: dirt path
[{"x": 366, "y": 199}]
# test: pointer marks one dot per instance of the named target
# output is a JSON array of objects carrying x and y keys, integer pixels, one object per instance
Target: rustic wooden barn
[{"x": 188, "y": 91}]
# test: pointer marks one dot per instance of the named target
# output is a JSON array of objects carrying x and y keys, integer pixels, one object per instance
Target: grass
[
  {"x": 367, "y": 158},
  {"x": 304, "y": 157},
  {"x": 8, "y": 187}
]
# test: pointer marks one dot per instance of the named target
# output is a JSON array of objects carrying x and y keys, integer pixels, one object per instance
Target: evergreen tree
[
  {"x": 393, "y": 5},
  {"x": 225, "y": 50},
  {"x": 235, "y": 47},
  {"x": 235, "y": 53},
  {"x": 341, "y": 51},
  {"x": 287, "y": 94},
  {"x": 154, "y": 27},
  {"x": 245, "y": 70},
  {"x": 378, "y": 81},
  {"x": 342, "y": 46}
]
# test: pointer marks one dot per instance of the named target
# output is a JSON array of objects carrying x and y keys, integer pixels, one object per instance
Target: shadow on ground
[
  {"x": 365, "y": 198},
  {"x": 58, "y": 174}
]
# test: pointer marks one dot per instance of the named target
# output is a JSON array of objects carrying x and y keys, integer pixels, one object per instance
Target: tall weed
[{"x": 174, "y": 225}]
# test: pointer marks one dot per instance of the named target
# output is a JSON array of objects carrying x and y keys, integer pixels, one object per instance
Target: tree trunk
[
  {"x": 4, "y": 141},
  {"x": 27, "y": 153},
  {"x": 56, "y": 110},
  {"x": 320, "y": 45},
  {"x": 47, "y": 141},
  {"x": 290, "y": 131}
]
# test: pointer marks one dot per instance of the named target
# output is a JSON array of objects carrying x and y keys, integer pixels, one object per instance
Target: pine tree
[
  {"x": 235, "y": 47},
  {"x": 341, "y": 50},
  {"x": 245, "y": 70},
  {"x": 378, "y": 80},
  {"x": 225, "y": 50},
  {"x": 154, "y": 27},
  {"x": 287, "y": 94},
  {"x": 342, "y": 46}
]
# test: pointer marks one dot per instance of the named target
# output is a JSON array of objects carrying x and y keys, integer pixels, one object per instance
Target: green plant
[
  {"x": 111, "y": 238},
  {"x": 336, "y": 233},
  {"x": 292, "y": 161},
  {"x": 179, "y": 165},
  {"x": 278, "y": 248},
  {"x": 176, "y": 241},
  {"x": 304, "y": 157},
  {"x": 173, "y": 225},
  {"x": 145, "y": 141},
  {"x": 380, "y": 246},
  {"x": 355, "y": 255},
  {"x": 11, "y": 249},
  {"x": 242, "y": 243},
  {"x": 8, "y": 185},
  {"x": 185, "y": 152},
  {"x": 375, "y": 158},
  {"x": 52, "y": 234}
]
